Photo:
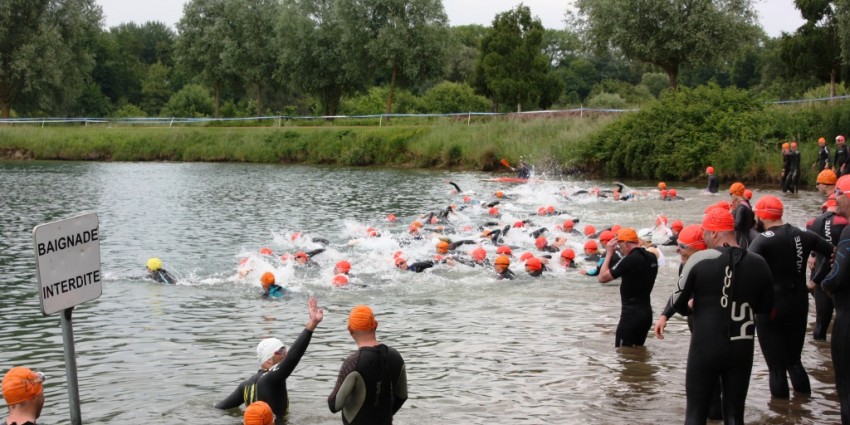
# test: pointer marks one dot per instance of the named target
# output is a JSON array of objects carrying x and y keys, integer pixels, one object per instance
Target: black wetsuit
[
  {"x": 839, "y": 162},
  {"x": 523, "y": 171},
  {"x": 420, "y": 266},
  {"x": 162, "y": 276},
  {"x": 837, "y": 284},
  {"x": 506, "y": 275},
  {"x": 713, "y": 184},
  {"x": 828, "y": 226},
  {"x": 638, "y": 270},
  {"x": 823, "y": 157},
  {"x": 270, "y": 386},
  {"x": 782, "y": 332},
  {"x": 371, "y": 387},
  {"x": 745, "y": 221},
  {"x": 729, "y": 286},
  {"x": 792, "y": 172},
  {"x": 615, "y": 258}
]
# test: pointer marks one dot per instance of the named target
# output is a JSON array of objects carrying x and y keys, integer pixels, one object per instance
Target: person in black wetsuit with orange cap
[
  {"x": 829, "y": 226},
  {"x": 744, "y": 218},
  {"x": 276, "y": 364},
  {"x": 638, "y": 268},
  {"x": 372, "y": 382},
  {"x": 782, "y": 332},
  {"x": 722, "y": 289},
  {"x": 837, "y": 284}
]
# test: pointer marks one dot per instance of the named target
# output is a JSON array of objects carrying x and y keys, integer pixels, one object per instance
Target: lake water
[{"x": 478, "y": 351}]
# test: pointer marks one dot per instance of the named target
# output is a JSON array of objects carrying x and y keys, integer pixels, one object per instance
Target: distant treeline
[{"x": 237, "y": 58}]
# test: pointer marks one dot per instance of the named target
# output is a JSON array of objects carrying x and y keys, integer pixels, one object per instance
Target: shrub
[
  {"x": 447, "y": 97},
  {"x": 607, "y": 101},
  {"x": 192, "y": 101}
]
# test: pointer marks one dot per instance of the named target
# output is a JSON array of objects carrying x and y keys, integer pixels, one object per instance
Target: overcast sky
[{"x": 776, "y": 15}]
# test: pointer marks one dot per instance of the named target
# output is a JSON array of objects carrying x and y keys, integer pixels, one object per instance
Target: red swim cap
[
  {"x": 503, "y": 250},
  {"x": 589, "y": 230},
  {"x": 541, "y": 242},
  {"x": 265, "y": 251},
  {"x": 672, "y": 193},
  {"x": 691, "y": 236},
  {"x": 533, "y": 264},
  {"x": 479, "y": 254},
  {"x": 769, "y": 208},
  {"x": 343, "y": 266},
  {"x": 568, "y": 225},
  {"x": 606, "y": 236},
  {"x": 709, "y": 170},
  {"x": 519, "y": 224},
  {"x": 677, "y": 225},
  {"x": 591, "y": 245},
  {"x": 525, "y": 256},
  {"x": 340, "y": 280},
  {"x": 718, "y": 220},
  {"x": 568, "y": 254},
  {"x": 493, "y": 211}
]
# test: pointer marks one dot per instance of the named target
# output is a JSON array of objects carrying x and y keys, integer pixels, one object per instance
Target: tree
[
  {"x": 44, "y": 60},
  {"x": 399, "y": 38},
  {"x": 206, "y": 39},
  {"x": 311, "y": 55},
  {"x": 156, "y": 88},
  {"x": 512, "y": 67},
  {"x": 254, "y": 56},
  {"x": 465, "y": 42},
  {"x": 814, "y": 49},
  {"x": 668, "y": 33}
]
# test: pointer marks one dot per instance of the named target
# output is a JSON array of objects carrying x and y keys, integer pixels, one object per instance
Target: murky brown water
[{"x": 477, "y": 350}]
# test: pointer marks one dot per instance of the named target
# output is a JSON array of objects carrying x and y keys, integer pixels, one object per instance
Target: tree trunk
[
  {"x": 392, "y": 91},
  {"x": 673, "y": 75},
  {"x": 5, "y": 110},
  {"x": 518, "y": 107},
  {"x": 218, "y": 99},
  {"x": 832, "y": 78},
  {"x": 259, "y": 100}
]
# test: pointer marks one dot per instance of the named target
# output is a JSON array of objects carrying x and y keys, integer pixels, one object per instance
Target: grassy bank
[
  {"x": 456, "y": 145},
  {"x": 674, "y": 138}
]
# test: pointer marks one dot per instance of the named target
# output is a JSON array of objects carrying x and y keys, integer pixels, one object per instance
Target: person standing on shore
[
  {"x": 823, "y": 155},
  {"x": 839, "y": 161},
  {"x": 372, "y": 382}
]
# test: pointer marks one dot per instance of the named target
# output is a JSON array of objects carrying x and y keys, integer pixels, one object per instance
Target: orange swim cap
[
  {"x": 533, "y": 264},
  {"x": 606, "y": 236},
  {"x": 827, "y": 177},
  {"x": 343, "y": 266},
  {"x": 361, "y": 318},
  {"x": 691, "y": 236},
  {"x": 677, "y": 225},
  {"x": 503, "y": 260},
  {"x": 786, "y": 145},
  {"x": 662, "y": 185},
  {"x": 258, "y": 413},
  {"x": 589, "y": 230},
  {"x": 267, "y": 279},
  {"x": 591, "y": 245},
  {"x": 500, "y": 194},
  {"x": 504, "y": 250},
  {"x": 21, "y": 384},
  {"x": 479, "y": 254},
  {"x": 265, "y": 251},
  {"x": 442, "y": 247},
  {"x": 568, "y": 225},
  {"x": 709, "y": 170},
  {"x": 541, "y": 211},
  {"x": 769, "y": 208},
  {"x": 568, "y": 254},
  {"x": 541, "y": 242},
  {"x": 718, "y": 220},
  {"x": 627, "y": 234},
  {"x": 519, "y": 224},
  {"x": 340, "y": 280},
  {"x": 821, "y": 141},
  {"x": 737, "y": 189},
  {"x": 672, "y": 193}
]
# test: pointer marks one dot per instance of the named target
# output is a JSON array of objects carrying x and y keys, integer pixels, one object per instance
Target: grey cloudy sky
[{"x": 776, "y": 15}]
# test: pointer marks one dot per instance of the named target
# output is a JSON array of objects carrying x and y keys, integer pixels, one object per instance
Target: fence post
[
  {"x": 581, "y": 111},
  {"x": 468, "y": 117},
  {"x": 381, "y": 121},
  {"x": 171, "y": 123}
]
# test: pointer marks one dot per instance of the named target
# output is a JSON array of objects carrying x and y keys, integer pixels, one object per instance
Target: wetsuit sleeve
[
  {"x": 454, "y": 245},
  {"x": 400, "y": 389},
  {"x": 348, "y": 384},
  {"x": 420, "y": 266},
  {"x": 838, "y": 277},
  {"x": 456, "y": 187},
  {"x": 315, "y": 252},
  {"x": 235, "y": 399},
  {"x": 282, "y": 370},
  {"x": 595, "y": 272},
  {"x": 684, "y": 286},
  {"x": 623, "y": 266},
  {"x": 668, "y": 309},
  {"x": 823, "y": 248}
]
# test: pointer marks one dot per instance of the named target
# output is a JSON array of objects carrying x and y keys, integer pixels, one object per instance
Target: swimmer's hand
[
  {"x": 316, "y": 314},
  {"x": 659, "y": 327}
]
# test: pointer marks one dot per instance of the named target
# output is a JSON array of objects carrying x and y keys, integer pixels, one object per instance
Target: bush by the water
[{"x": 678, "y": 136}]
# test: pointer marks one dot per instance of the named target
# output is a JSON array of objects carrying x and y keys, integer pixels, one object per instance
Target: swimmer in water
[
  {"x": 534, "y": 267},
  {"x": 271, "y": 290},
  {"x": 501, "y": 266},
  {"x": 157, "y": 273},
  {"x": 713, "y": 185}
]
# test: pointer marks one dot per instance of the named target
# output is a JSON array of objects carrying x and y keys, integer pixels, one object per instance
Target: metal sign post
[{"x": 67, "y": 254}]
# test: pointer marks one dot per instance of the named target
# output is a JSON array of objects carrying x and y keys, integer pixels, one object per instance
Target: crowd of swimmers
[{"x": 744, "y": 274}]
